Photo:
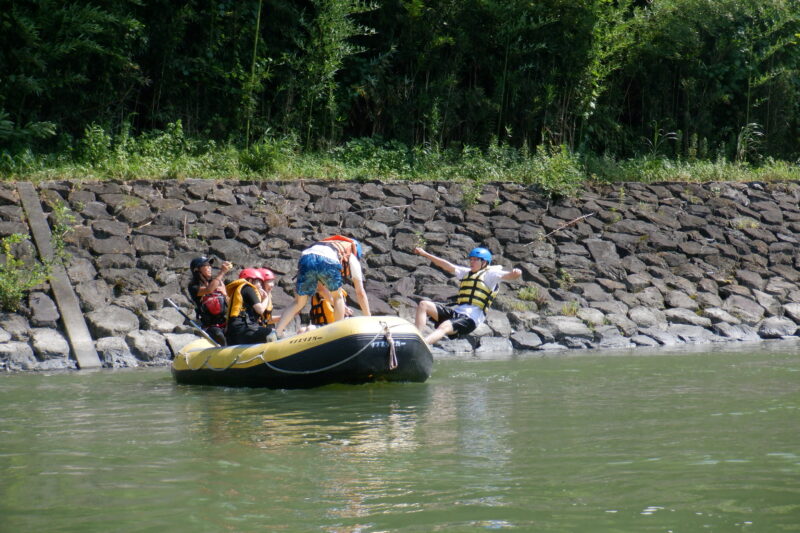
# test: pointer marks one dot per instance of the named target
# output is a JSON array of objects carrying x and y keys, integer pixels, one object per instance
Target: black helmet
[{"x": 197, "y": 262}]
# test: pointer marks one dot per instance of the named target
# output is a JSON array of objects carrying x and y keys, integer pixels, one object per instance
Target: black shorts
[{"x": 462, "y": 324}]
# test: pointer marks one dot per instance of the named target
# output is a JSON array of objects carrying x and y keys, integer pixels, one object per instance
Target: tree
[
  {"x": 68, "y": 63},
  {"x": 320, "y": 55}
]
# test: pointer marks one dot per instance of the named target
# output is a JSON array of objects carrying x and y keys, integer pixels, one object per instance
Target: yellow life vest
[
  {"x": 322, "y": 310},
  {"x": 474, "y": 291},
  {"x": 266, "y": 317},
  {"x": 234, "y": 289}
]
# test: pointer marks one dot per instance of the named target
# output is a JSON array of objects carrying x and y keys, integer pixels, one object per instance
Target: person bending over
[
  {"x": 478, "y": 287},
  {"x": 327, "y": 262}
]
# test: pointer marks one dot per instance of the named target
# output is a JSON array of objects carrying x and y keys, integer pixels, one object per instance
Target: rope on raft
[{"x": 392, "y": 351}]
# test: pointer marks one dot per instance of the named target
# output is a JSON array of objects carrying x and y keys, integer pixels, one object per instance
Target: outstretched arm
[
  {"x": 445, "y": 265},
  {"x": 511, "y": 275}
]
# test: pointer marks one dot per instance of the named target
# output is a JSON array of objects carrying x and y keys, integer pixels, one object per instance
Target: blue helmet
[{"x": 481, "y": 253}]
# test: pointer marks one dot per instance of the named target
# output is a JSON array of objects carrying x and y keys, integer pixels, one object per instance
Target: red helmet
[
  {"x": 251, "y": 273},
  {"x": 267, "y": 273}
]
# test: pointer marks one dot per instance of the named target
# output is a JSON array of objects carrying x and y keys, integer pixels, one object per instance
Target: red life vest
[{"x": 214, "y": 309}]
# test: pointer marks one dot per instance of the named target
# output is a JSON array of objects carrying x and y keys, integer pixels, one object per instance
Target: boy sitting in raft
[{"x": 479, "y": 286}]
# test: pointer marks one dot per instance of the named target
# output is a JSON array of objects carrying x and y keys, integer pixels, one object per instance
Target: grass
[
  {"x": 649, "y": 170},
  {"x": 170, "y": 155},
  {"x": 570, "y": 308},
  {"x": 531, "y": 293}
]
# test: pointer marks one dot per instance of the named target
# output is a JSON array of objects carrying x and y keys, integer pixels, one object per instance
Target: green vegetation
[
  {"x": 18, "y": 276},
  {"x": 170, "y": 155},
  {"x": 531, "y": 293},
  {"x": 62, "y": 222},
  {"x": 745, "y": 223},
  {"x": 565, "y": 279},
  {"x": 570, "y": 308},
  {"x": 20, "y": 272},
  {"x": 550, "y": 93}
]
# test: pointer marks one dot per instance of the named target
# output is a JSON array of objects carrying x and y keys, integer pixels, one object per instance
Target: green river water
[{"x": 597, "y": 442}]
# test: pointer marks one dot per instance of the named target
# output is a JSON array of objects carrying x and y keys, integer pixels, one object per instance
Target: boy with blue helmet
[
  {"x": 478, "y": 287},
  {"x": 481, "y": 253}
]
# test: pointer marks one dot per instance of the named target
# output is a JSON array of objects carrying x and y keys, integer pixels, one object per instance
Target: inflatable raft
[{"x": 355, "y": 350}]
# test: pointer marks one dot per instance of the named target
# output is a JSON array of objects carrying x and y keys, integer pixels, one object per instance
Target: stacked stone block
[{"x": 619, "y": 266}]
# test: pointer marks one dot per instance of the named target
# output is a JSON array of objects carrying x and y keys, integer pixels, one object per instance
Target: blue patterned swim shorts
[{"x": 313, "y": 268}]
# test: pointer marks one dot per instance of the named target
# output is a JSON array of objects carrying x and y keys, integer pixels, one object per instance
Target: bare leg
[
  {"x": 323, "y": 290},
  {"x": 290, "y": 312},
  {"x": 425, "y": 309},
  {"x": 338, "y": 305},
  {"x": 445, "y": 328}
]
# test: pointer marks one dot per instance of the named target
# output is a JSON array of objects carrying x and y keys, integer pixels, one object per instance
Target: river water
[{"x": 597, "y": 442}]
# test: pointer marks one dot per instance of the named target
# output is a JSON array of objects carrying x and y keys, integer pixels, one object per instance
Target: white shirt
[
  {"x": 491, "y": 279},
  {"x": 327, "y": 251}
]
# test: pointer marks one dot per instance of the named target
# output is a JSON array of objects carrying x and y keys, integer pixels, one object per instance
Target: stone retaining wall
[{"x": 657, "y": 264}]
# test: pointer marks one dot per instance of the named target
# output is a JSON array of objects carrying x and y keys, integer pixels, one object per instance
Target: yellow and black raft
[{"x": 353, "y": 351}]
